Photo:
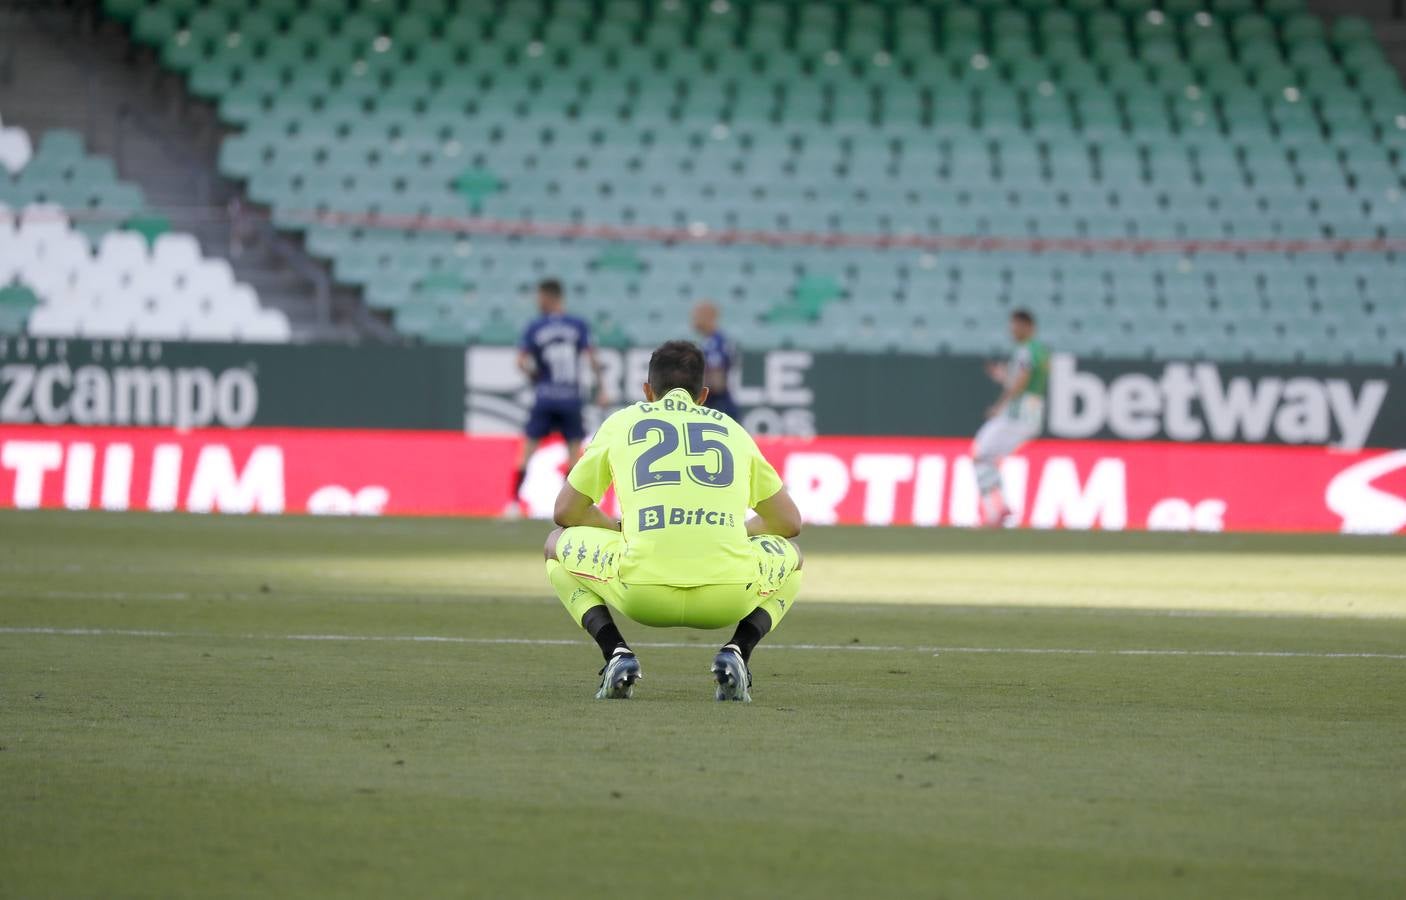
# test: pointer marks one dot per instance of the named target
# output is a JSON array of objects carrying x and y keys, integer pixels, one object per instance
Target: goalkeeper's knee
[
  {"x": 780, "y": 601},
  {"x": 575, "y": 596}
]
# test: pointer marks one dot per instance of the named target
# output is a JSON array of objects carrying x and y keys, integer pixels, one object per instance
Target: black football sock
[
  {"x": 749, "y": 631},
  {"x": 601, "y": 627},
  {"x": 518, "y": 479}
]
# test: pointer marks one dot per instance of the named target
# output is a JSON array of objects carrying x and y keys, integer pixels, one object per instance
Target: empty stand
[
  {"x": 123, "y": 287},
  {"x": 374, "y": 126},
  {"x": 56, "y": 170},
  {"x": 107, "y": 275}
]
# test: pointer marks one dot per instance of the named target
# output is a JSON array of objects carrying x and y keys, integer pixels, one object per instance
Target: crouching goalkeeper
[{"x": 685, "y": 551}]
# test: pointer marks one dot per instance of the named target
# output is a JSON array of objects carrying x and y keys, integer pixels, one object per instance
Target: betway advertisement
[
  {"x": 791, "y": 393},
  {"x": 877, "y": 481},
  {"x": 800, "y": 394}
]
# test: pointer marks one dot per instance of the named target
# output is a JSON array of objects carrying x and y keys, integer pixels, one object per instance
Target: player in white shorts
[{"x": 1014, "y": 418}]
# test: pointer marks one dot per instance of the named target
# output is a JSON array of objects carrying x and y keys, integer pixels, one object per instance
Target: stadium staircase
[{"x": 1157, "y": 178}]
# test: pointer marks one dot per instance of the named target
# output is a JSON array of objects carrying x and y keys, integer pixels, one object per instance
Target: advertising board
[{"x": 1112, "y": 485}]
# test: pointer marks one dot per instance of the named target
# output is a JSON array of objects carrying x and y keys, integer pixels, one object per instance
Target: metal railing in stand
[
  {"x": 203, "y": 180},
  {"x": 292, "y": 256}
]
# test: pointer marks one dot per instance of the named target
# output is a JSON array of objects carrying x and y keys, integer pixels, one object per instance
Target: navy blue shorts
[
  {"x": 561, "y": 417},
  {"x": 723, "y": 404}
]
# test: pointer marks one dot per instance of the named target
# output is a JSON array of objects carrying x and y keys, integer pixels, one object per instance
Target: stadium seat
[
  {"x": 124, "y": 289},
  {"x": 15, "y": 149},
  {"x": 1173, "y": 121},
  {"x": 75, "y": 241}
]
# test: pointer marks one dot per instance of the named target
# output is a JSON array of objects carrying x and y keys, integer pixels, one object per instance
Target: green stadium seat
[
  {"x": 155, "y": 25},
  {"x": 1352, "y": 31},
  {"x": 1003, "y": 117},
  {"x": 16, "y": 302},
  {"x": 123, "y": 10}
]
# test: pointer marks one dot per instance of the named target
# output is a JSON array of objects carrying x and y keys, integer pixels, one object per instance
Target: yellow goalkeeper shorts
[{"x": 592, "y": 569}]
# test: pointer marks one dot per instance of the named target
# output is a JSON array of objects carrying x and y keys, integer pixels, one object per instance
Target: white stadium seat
[
  {"x": 49, "y": 320},
  {"x": 9, "y": 245},
  {"x": 241, "y": 302},
  {"x": 270, "y": 326},
  {"x": 39, "y": 225},
  {"x": 175, "y": 253},
  {"x": 46, "y": 279},
  {"x": 212, "y": 276},
  {"x": 122, "y": 251},
  {"x": 61, "y": 249},
  {"x": 158, "y": 324},
  {"x": 41, "y": 214},
  {"x": 123, "y": 289},
  {"x": 15, "y": 148},
  {"x": 108, "y": 322},
  {"x": 92, "y": 280},
  {"x": 117, "y": 296},
  {"x": 209, "y": 328}
]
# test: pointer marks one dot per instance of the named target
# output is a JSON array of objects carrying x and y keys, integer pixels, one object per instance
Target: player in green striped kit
[{"x": 1014, "y": 418}]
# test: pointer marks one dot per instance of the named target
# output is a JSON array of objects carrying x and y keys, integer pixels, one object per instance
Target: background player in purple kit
[
  {"x": 720, "y": 355},
  {"x": 550, "y": 355}
]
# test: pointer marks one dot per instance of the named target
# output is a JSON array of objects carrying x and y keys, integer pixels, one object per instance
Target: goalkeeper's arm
[
  {"x": 575, "y": 508},
  {"x": 777, "y": 515}
]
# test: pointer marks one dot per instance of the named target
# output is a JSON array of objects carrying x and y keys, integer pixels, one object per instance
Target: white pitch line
[
  {"x": 999, "y": 609},
  {"x": 681, "y": 645},
  {"x": 98, "y": 595}
]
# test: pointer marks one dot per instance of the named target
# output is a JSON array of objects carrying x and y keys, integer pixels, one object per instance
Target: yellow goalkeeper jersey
[{"x": 686, "y": 477}]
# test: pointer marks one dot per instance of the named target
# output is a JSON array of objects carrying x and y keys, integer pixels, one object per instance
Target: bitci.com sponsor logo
[{"x": 655, "y": 517}]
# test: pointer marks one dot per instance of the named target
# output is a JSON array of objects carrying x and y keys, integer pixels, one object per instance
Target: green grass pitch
[{"x": 241, "y": 707}]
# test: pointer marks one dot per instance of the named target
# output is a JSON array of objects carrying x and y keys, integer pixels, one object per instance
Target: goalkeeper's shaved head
[{"x": 677, "y": 364}]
